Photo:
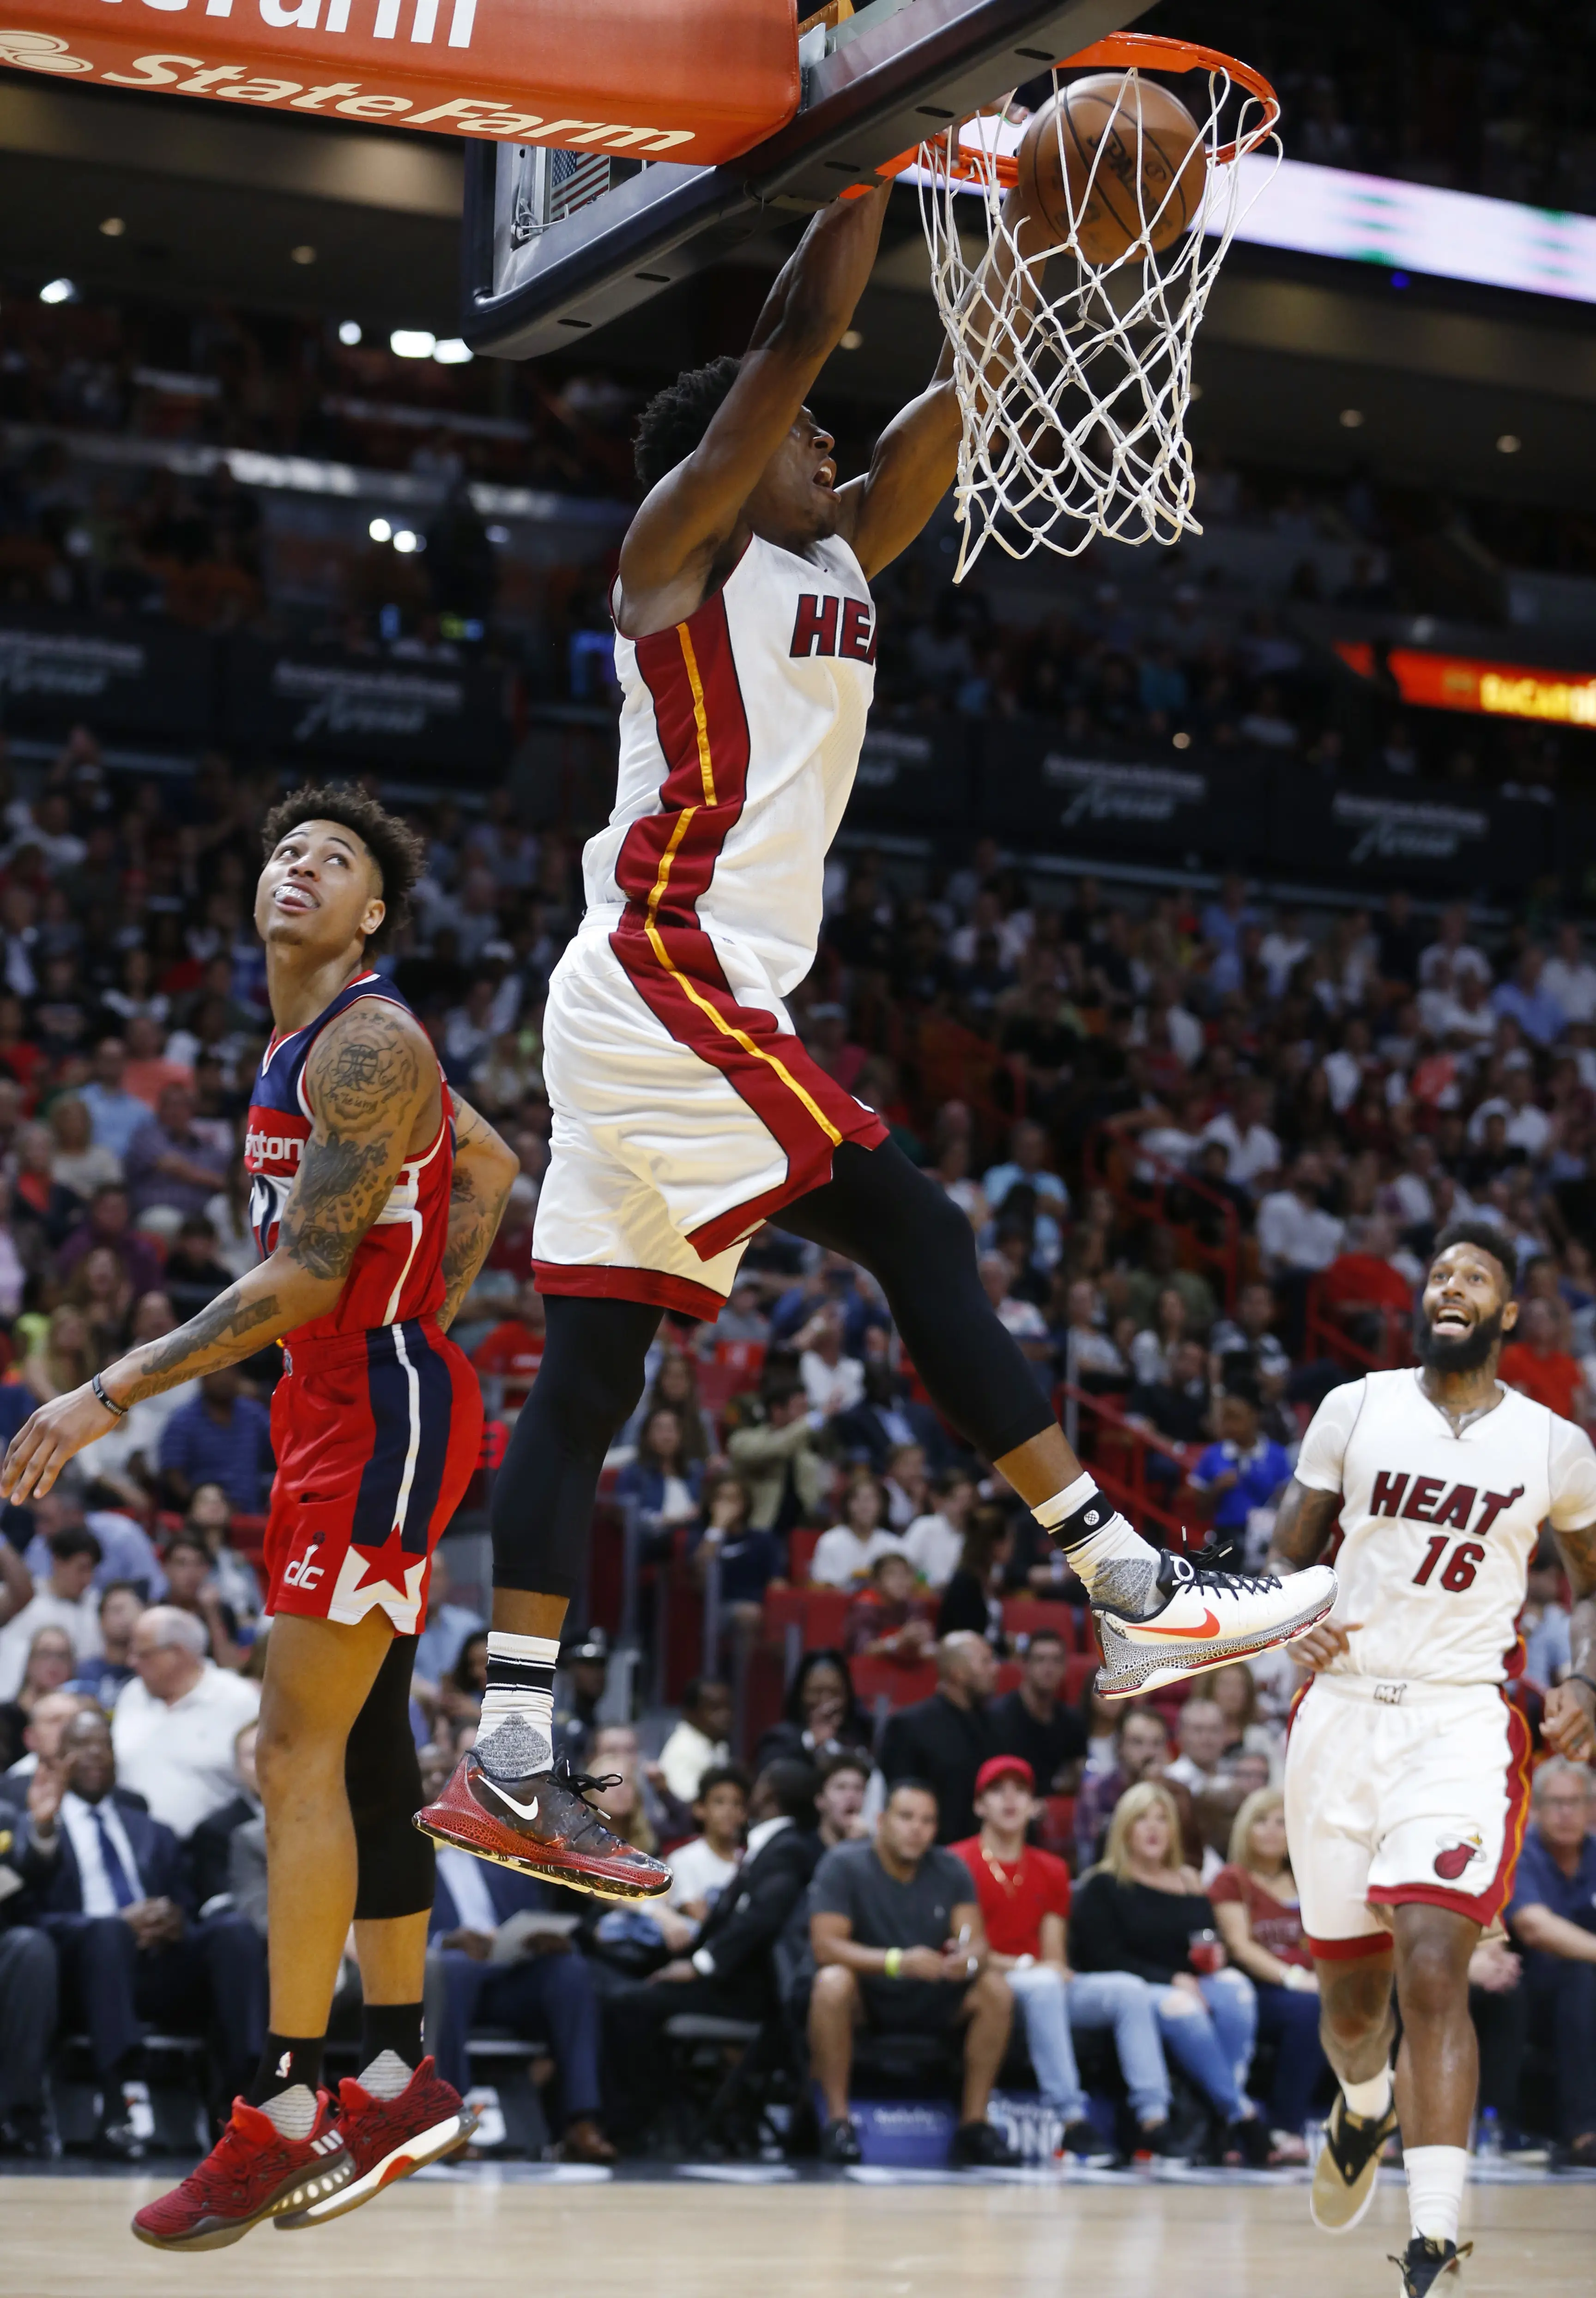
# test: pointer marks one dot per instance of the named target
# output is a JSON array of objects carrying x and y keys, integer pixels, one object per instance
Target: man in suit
[
  {"x": 730, "y": 1972},
  {"x": 885, "y": 1419},
  {"x": 944, "y": 1740},
  {"x": 544, "y": 1992},
  {"x": 118, "y": 1902},
  {"x": 211, "y": 1846},
  {"x": 27, "y": 2005}
]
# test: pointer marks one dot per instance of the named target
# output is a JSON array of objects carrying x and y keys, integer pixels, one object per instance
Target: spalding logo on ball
[{"x": 1453, "y": 1858}]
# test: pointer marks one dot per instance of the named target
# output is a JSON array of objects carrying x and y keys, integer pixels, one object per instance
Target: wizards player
[{"x": 376, "y": 1194}]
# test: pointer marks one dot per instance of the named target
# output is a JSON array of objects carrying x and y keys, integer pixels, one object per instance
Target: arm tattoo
[
  {"x": 476, "y": 1201},
  {"x": 1302, "y": 1525},
  {"x": 193, "y": 1349},
  {"x": 365, "y": 1080}
]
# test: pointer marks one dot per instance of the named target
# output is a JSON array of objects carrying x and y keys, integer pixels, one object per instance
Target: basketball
[{"x": 1153, "y": 165}]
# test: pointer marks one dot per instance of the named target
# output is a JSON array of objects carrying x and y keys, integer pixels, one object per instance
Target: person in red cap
[{"x": 1024, "y": 1898}]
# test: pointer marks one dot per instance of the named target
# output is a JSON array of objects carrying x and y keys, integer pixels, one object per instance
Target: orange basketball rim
[
  {"x": 1127, "y": 51},
  {"x": 627, "y": 76}
]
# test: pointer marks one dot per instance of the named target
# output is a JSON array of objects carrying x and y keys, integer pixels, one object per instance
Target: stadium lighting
[
  {"x": 380, "y": 531},
  {"x": 452, "y": 353},
  {"x": 113, "y": 228},
  {"x": 1508, "y": 444},
  {"x": 302, "y": 254},
  {"x": 1351, "y": 418},
  {"x": 349, "y": 331},
  {"x": 406, "y": 541},
  {"x": 413, "y": 342},
  {"x": 58, "y": 291}
]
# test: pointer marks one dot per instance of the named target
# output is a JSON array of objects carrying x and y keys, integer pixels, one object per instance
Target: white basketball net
[{"x": 1084, "y": 433}]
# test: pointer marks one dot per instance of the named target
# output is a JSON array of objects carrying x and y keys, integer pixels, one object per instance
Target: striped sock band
[{"x": 520, "y": 1694}]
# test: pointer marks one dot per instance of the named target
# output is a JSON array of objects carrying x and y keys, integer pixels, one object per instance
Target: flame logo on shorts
[{"x": 1454, "y": 1857}]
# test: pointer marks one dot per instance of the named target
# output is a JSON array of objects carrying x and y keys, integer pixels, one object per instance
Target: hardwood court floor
[{"x": 68, "y": 2238}]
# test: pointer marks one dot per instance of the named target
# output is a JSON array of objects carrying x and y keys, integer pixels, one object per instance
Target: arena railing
[{"x": 1107, "y": 1159}]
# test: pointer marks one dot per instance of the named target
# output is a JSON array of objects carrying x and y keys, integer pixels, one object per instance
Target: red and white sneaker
[
  {"x": 387, "y": 2139},
  {"x": 1207, "y": 1619},
  {"x": 542, "y": 1825},
  {"x": 253, "y": 2173}
]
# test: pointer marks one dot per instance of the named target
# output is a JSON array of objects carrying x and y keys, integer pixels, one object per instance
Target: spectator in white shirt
[
  {"x": 701, "y": 1870},
  {"x": 833, "y": 1382},
  {"x": 1452, "y": 947},
  {"x": 1022, "y": 1318},
  {"x": 176, "y": 1724},
  {"x": 844, "y": 1555},
  {"x": 1243, "y": 1133},
  {"x": 1283, "y": 950},
  {"x": 699, "y": 1742},
  {"x": 1570, "y": 979},
  {"x": 66, "y": 1599},
  {"x": 935, "y": 1544},
  {"x": 1087, "y": 1347},
  {"x": 1294, "y": 1232},
  {"x": 1202, "y": 1731},
  {"x": 1528, "y": 1126}
]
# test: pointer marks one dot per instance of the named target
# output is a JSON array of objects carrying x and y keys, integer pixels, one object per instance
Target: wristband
[
  {"x": 109, "y": 1402},
  {"x": 1573, "y": 1676},
  {"x": 893, "y": 1963}
]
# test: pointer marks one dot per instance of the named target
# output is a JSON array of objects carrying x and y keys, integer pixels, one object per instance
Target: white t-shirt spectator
[
  {"x": 1464, "y": 959},
  {"x": 1255, "y": 1151},
  {"x": 1280, "y": 955},
  {"x": 1296, "y": 1236},
  {"x": 831, "y": 1388},
  {"x": 698, "y": 1872},
  {"x": 1572, "y": 988},
  {"x": 841, "y": 1557},
  {"x": 179, "y": 1756},
  {"x": 80, "y": 1619},
  {"x": 933, "y": 1546},
  {"x": 686, "y": 1755},
  {"x": 1529, "y": 1129}
]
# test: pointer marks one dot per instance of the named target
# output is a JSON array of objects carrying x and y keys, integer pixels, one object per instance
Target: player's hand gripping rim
[
  {"x": 1322, "y": 1644},
  {"x": 48, "y": 1439}
]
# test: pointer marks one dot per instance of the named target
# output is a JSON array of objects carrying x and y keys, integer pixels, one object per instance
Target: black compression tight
[
  {"x": 879, "y": 1210},
  {"x": 383, "y": 1779}
]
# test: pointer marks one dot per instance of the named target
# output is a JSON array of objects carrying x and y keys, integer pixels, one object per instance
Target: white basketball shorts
[
  {"x": 1399, "y": 1792},
  {"x": 682, "y": 1117}
]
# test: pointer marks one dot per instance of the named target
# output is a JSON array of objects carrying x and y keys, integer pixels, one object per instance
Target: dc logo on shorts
[{"x": 1455, "y": 1855}]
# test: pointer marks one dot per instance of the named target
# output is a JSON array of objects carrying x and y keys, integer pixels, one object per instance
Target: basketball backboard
[{"x": 558, "y": 243}]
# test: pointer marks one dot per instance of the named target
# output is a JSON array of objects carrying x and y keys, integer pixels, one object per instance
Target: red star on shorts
[{"x": 388, "y": 1563}]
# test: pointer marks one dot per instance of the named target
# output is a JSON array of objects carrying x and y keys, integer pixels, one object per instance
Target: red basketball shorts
[{"x": 377, "y": 1436}]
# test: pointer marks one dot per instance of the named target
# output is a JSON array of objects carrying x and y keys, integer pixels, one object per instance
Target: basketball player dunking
[
  {"x": 686, "y": 1112},
  {"x": 1407, "y": 1772},
  {"x": 376, "y": 1194}
]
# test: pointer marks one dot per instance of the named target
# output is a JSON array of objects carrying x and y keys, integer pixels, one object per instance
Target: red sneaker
[
  {"x": 387, "y": 2139},
  {"x": 542, "y": 1825},
  {"x": 250, "y": 2173}
]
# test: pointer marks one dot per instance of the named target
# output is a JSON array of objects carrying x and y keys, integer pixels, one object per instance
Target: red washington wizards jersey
[{"x": 397, "y": 1273}]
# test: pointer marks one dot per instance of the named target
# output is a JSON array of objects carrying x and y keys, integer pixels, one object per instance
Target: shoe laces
[
  {"x": 1186, "y": 1574},
  {"x": 583, "y": 1784}
]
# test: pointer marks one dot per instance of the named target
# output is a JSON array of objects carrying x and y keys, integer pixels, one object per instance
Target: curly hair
[
  {"x": 393, "y": 844},
  {"x": 675, "y": 419},
  {"x": 1486, "y": 1237}
]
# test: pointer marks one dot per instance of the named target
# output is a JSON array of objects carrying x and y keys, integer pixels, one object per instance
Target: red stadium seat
[
  {"x": 1077, "y": 1669},
  {"x": 800, "y": 1553},
  {"x": 1023, "y": 1616},
  {"x": 823, "y": 1616},
  {"x": 1009, "y": 1673},
  {"x": 888, "y": 1679}
]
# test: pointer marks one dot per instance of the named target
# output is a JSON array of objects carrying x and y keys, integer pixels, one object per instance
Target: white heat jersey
[
  {"x": 741, "y": 730},
  {"x": 1437, "y": 1530}
]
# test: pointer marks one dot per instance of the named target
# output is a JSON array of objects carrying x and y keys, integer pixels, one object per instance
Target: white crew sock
[
  {"x": 516, "y": 1732},
  {"x": 1436, "y": 2176},
  {"x": 1115, "y": 1564},
  {"x": 292, "y": 2113},
  {"x": 1370, "y": 2100}
]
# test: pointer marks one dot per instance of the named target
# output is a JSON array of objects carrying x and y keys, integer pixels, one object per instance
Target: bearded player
[
  {"x": 685, "y": 1110},
  {"x": 375, "y": 1195},
  {"x": 1407, "y": 1772}
]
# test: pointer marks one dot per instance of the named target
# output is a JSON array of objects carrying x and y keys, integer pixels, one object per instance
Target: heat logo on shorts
[{"x": 1455, "y": 1856}]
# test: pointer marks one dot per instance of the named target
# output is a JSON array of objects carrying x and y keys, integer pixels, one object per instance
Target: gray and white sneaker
[{"x": 1206, "y": 1620}]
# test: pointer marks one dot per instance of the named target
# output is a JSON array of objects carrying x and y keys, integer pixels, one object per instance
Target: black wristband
[
  {"x": 109, "y": 1402},
  {"x": 1573, "y": 1676}
]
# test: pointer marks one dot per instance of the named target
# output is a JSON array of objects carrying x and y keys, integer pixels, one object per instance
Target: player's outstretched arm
[
  {"x": 368, "y": 1077},
  {"x": 1569, "y": 1722},
  {"x": 693, "y": 513},
  {"x": 485, "y": 1167},
  {"x": 917, "y": 458}
]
